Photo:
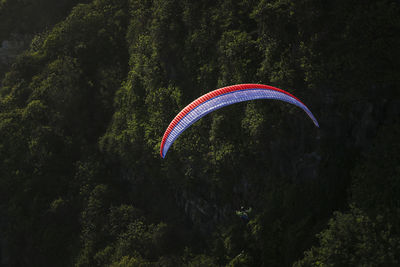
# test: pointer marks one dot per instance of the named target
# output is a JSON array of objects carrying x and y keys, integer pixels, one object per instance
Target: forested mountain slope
[
  {"x": 83, "y": 111},
  {"x": 21, "y": 20}
]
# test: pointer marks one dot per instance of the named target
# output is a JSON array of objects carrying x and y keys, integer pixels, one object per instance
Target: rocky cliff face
[{"x": 11, "y": 48}]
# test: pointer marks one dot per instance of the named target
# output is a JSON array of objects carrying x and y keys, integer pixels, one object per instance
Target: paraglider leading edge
[{"x": 222, "y": 97}]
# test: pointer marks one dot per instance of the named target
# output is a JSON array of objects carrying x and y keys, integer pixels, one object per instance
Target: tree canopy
[{"x": 84, "y": 108}]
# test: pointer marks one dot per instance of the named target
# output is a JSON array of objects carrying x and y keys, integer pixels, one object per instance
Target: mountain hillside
[{"x": 84, "y": 107}]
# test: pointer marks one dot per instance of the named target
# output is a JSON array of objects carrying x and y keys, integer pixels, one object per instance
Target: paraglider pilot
[{"x": 243, "y": 214}]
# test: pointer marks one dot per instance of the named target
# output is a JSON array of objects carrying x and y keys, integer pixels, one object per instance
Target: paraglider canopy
[{"x": 223, "y": 97}]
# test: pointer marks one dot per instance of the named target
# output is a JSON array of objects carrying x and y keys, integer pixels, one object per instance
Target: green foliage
[
  {"x": 83, "y": 110},
  {"x": 376, "y": 183},
  {"x": 131, "y": 262},
  {"x": 240, "y": 260},
  {"x": 201, "y": 260},
  {"x": 354, "y": 239},
  {"x": 238, "y": 52},
  {"x": 31, "y": 16}
]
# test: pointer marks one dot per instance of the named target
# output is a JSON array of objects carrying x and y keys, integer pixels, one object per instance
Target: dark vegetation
[{"x": 83, "y": 111}]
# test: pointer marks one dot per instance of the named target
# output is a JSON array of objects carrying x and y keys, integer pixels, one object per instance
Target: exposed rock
[
  {"x": 11, "y": 48},
  {"x": 205, "y": 215}
]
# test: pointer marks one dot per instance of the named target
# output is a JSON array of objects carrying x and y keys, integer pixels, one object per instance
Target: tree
[{"x": 354, "y": 239}]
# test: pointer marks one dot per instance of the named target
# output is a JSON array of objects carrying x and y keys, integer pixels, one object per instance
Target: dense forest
[{"x": 84, "y": 105}]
